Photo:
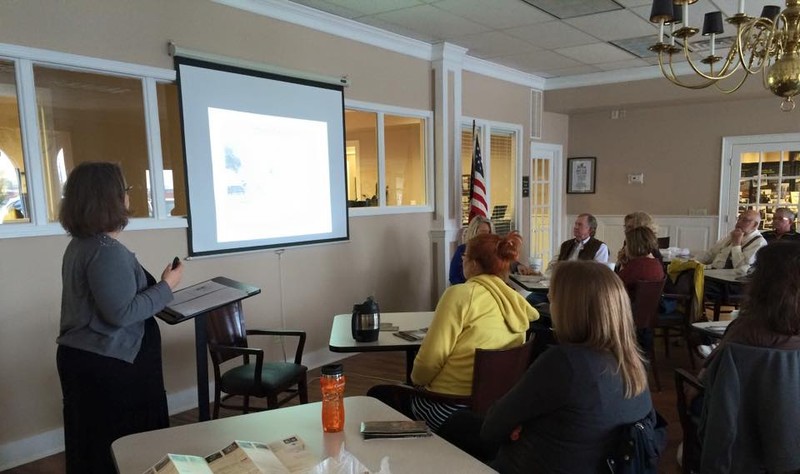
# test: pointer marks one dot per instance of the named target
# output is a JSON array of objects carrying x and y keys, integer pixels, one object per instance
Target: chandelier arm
[
  {"x": 735, "y": 88},
  {"x": 766, "y": 36},
  {"x": 673, "y": 78},
  {"x": 724, "y": 74}
]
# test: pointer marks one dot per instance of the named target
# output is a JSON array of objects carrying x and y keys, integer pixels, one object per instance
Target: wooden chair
[
  {"x": 644, "y": 304},
  {"x": 690, "y": 422},
  {"x": 495, "y": 371},
  {"x": 227, "y": 339},
  {"x": 677, "y": 321}
]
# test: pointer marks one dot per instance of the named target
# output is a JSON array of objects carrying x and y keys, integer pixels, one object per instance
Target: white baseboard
[{"x": 30, "y": 449}]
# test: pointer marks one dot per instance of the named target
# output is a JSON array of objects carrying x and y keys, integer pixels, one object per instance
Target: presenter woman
[
  {"x": 109, "y": 345},
  {"x": 477, "y": 226},
  {"x": 482, "y": 313}
]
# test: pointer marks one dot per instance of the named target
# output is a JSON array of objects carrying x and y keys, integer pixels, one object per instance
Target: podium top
[{"x": 204, "y": 297}]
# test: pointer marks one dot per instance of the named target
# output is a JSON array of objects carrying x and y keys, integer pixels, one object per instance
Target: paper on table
[{"x": 200, "y": 297}]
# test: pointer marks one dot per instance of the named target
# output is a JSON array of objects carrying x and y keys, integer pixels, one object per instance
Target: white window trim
[
  {"x": 486, "y": 128},
  {"x": 24, "y": 59},
  {"x": 382, "y": 208},
  {"x": 727, "y": 190}
]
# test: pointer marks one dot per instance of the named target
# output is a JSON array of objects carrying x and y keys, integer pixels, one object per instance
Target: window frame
[
  {"x": 380, "y": 110},
  {"x": 485, "y": 129},
  {"x": 24, "y": 59}
]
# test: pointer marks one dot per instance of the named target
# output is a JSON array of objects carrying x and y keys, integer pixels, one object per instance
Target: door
[{"x": 545, "y": 203}]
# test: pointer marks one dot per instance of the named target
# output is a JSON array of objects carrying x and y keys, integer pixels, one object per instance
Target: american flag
[{"x": 477, "y": 185}]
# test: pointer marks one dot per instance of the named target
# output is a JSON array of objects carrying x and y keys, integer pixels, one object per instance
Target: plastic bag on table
[{"x": 346, "y": 463}]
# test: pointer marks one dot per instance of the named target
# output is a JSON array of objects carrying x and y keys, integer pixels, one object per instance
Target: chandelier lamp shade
[{"x": 768, "y": 44}]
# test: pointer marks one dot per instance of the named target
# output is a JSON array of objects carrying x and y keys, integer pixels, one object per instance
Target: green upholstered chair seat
[{"x": 274, "y": 376}]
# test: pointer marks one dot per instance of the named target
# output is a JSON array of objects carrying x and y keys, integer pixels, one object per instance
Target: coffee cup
[{"x": 536, "y": 265}]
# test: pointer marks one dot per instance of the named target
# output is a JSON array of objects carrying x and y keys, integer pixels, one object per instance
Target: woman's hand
[
  {"x": 523, "y": 269},
  {"x": 173, "y": 276}
]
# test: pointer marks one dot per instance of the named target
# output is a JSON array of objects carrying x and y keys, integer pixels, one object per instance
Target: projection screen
[{"x": 265, "y": 159}]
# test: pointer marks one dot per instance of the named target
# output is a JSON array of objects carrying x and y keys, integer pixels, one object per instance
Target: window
[
  {"x": 769, "y": 180},
  {"x": 500, "y": 165},
  {"x": 70, "y": 109},
  {"x": 387, "y": 159},
  {"x": 13, "y": 191}
]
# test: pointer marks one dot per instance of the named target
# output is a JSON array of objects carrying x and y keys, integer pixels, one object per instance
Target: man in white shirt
[
  {"x": 738, "y": 249},
  {"x": 583, "y": 246}
]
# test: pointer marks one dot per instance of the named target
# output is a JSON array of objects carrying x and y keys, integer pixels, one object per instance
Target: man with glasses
[
  {"x": 738, "y": 249},
  {"x": 782, "y": 226}
]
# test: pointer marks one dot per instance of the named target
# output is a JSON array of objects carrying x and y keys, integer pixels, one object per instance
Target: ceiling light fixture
[{"x": 769, "y": 44}]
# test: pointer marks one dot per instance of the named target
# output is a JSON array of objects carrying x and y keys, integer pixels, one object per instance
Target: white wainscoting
[{"x": 697, "y": 233}]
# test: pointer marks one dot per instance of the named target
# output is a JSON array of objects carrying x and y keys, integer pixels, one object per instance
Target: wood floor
[{"x": 365, "y": 370}]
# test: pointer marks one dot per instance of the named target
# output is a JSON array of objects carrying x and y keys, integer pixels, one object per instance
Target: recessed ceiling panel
[{"x": 573, "y": 8}]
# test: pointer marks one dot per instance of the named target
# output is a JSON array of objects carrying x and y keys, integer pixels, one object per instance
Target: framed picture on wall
[{"x": 581, "y": 175}]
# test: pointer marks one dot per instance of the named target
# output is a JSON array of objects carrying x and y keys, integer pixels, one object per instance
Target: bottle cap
[{"x": 333, "y": 369}]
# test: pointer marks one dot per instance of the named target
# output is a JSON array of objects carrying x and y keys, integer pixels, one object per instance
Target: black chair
[
  {"x": 227, "y": 339},
  {"x": 663, "y": 242},
  {"x": 690, "y": 422},
  {"x": 495, "y": 371},
  {"x": 678, "y": 314},
  {"x": 644, "y": 305}
]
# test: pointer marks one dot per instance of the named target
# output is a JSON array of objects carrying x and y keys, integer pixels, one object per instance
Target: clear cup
[{"x": 536, "y": 264}]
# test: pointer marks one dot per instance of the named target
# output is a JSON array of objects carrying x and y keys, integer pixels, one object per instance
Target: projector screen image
[{"x": 265, "y": 163}]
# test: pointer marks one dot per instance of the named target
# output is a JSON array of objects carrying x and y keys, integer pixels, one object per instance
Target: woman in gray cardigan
[{"x": 109, "y": 345}]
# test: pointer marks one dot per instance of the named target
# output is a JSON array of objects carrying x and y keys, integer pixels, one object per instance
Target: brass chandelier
[{"x": 769, "y": 44}]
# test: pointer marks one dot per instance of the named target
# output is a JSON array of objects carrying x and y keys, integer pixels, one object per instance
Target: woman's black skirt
[{"x": 107, "y": 398}]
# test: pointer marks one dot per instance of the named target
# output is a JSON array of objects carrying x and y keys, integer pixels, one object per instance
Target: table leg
[
  {"x": 411, "y": 354},
  {"x": 200, "y": 341}
]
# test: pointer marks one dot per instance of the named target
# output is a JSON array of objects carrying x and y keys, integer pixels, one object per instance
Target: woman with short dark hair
[{"x": 109, "y": 345}]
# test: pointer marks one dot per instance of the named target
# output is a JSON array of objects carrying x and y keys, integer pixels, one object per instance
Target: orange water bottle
[{"x": 332, "y": 384}]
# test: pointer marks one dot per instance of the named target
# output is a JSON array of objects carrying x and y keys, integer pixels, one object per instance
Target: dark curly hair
[
  {"x": 773, "y": 294},
  {"x": 94, "y": 200}
]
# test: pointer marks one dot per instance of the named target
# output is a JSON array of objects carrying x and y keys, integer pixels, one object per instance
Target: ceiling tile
[
  {"x": 613, "y": 25},
  {"x": 330, "y": 8},
  {"x": 400, "y": 30},
  {"x": 627, "y": 64},
  {"x": 575, "y": 71},
  {"x": 595, "y": 53},
  {"x": 574, "y": 8},
  {"x": 539, "y": 61},
  {"x": 432, "y": 21},
  {"x": 503, "y": 14},
  {"x": 634, "y": 3},
  {"x": 552, "y": 35},
  {"x": 493, "y": 43},
  {"x": 371, "y": 7}
]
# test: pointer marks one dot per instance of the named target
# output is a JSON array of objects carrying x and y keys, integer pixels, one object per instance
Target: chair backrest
[
  {"x": 683, "y": 290},
  {"x": 225, "y": 326},
  {"x": 496, "y": 371},
  {"x": 663, "y": 242},
  {"x": 644, "y": 303},
  {"x": 689, "y": 422}
]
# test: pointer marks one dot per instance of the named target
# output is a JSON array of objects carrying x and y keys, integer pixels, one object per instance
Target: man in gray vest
[{"x": 583, "y": 246}]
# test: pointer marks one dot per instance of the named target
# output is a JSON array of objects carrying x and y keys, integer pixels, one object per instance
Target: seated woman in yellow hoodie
[{"x": 484, "y": 313}]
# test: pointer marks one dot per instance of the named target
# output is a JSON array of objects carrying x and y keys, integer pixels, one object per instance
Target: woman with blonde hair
[
  {"x": 484, "y": 313},
  {"x": 477, "y": 226},
  {"x": 565, "y": 414},
  {"x": 635, "y": 220}
]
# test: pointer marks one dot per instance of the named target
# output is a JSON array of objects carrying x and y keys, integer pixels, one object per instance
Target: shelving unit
[{"x": 769, "y": 180}]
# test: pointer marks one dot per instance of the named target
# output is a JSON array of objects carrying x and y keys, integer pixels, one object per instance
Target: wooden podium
[{"x": 195, "y": 302}]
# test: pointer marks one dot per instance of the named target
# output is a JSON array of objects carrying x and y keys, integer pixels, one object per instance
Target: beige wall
[
  {"x": 677, "y": 147},
  {"x": 318, "y": 282}
]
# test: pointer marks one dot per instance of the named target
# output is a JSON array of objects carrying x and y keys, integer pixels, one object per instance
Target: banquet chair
[
  {"x": 495, "y": 371},
  {"x": 690, "y": 422},
  {"x": 227, "y": 340},
  {"x": 644, "y": 305},
  {"x": 675, "y": 320}
]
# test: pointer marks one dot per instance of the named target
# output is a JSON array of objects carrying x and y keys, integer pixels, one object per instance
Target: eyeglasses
[
  {"x": 778, "y": 219},
  {"x": 746, "y": 219},
  {"x": 128, "y": 189}
]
